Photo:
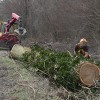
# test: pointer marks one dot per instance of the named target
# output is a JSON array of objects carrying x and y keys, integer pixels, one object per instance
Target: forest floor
[{"x": 19, "y": 83}]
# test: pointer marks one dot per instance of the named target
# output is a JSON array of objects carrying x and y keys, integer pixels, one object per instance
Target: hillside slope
[{"x": 17, "y": 83}]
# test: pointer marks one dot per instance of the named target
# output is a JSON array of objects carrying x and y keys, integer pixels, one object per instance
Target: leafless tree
[{"x": 61, "y": 20}]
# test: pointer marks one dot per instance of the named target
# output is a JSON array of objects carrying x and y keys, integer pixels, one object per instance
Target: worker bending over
[{"x": 82, "y": 49}]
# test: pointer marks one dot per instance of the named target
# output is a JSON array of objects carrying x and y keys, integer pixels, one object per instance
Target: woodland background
[{"x": 63, "y": 21}]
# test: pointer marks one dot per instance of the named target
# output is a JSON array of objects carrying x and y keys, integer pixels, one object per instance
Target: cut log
[
  {"x": 18, "y": 50},
  {"x": 89, "y": 74}
]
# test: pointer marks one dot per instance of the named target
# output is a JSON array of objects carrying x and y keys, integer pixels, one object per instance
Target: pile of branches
[{"x": 59, "y": 67}]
